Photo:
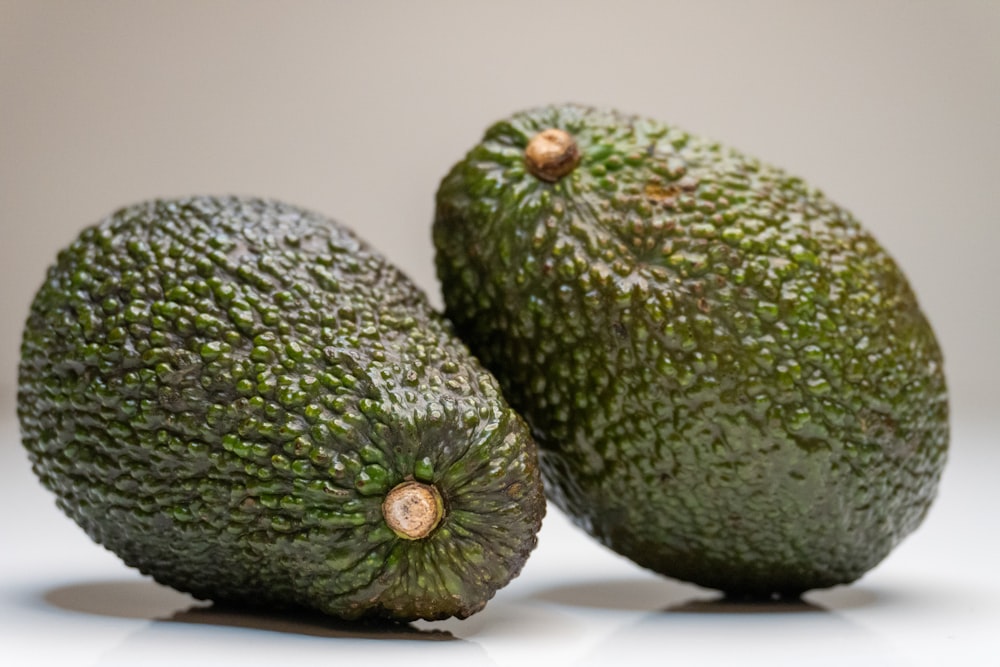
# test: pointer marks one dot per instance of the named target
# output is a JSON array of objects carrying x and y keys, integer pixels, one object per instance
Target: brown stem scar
[{"x": 551, "y": 154}]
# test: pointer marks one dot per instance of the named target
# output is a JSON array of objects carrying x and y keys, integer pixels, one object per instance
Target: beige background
[{"x": 357, "y": 109}]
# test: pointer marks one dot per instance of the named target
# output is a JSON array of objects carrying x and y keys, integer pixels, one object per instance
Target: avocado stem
[
  {"x": 551, "y": 154},
  {"x": 413, "y": 510}
]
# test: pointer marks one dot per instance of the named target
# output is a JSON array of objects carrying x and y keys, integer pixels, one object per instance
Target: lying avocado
[
  {"x": 243, "y": 400},
  {"x": 730, "y": 380}
]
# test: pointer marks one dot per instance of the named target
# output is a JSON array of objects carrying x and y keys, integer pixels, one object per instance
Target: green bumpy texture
[
  {"x": 731, "y": 382},
  {"x": 223, "y": 390}
]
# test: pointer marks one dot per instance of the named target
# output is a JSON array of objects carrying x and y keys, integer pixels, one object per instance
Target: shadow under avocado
[
  {"x": 725, "y": 605},
  {"x": 670, "y": 596},
  {"x": 147, "y": 600}
]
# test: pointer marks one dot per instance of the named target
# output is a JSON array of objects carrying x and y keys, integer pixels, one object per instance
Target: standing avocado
[
  {"x": 243, "y": 400},
  {"x": 731, "y": 382}
]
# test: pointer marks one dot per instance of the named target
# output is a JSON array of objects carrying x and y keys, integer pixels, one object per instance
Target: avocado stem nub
[
  {"x": 413, "y": 510},
  {"x": 551, "y": 154}
]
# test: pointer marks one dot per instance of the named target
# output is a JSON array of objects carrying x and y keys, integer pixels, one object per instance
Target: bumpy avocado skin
[
  {"x": 223, "y": 390},
  {"x": 730, "y": 380}
]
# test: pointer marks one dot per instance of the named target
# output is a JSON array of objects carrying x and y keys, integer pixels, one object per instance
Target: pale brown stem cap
[{"x": 413, "y": 510}]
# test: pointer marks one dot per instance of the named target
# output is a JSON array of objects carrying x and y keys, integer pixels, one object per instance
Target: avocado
[
  {"x": 243, "y": 400},
  {"x": 731, "y": 382}
]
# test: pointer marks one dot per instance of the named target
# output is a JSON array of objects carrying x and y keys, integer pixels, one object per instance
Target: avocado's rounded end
[
  {"x": 551, "y": 154},
  {"x": 413, "y": 510}
]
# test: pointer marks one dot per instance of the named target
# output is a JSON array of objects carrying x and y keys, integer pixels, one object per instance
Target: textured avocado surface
[
  {"x": 730, "y": 380},
  {"x": 243, "y": 400}
]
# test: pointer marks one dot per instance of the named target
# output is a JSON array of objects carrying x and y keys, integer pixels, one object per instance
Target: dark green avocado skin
[
  {"x": 222, "y": 391},
  {"x": 731, "y": 381}
]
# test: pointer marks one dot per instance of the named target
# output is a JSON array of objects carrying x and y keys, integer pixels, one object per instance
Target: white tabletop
[{"x": 934, "y": 601}]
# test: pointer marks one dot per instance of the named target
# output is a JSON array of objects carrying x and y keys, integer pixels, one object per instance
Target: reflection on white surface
[
  {"x": 146, "y": 600},
  {"x": 935, "y": 601}
]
